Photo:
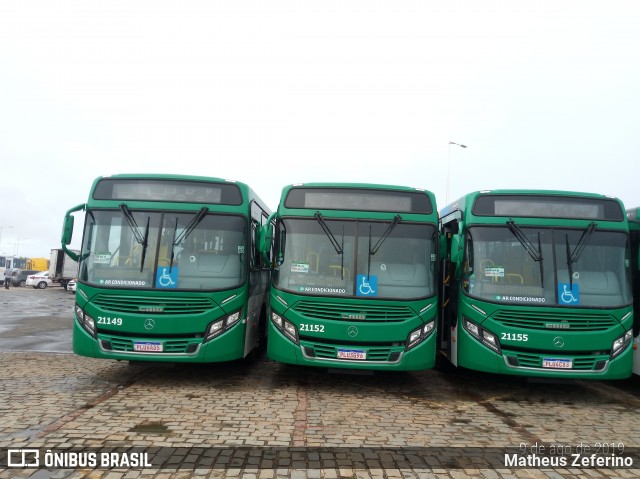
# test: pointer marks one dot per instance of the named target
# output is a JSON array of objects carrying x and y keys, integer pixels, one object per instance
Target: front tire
[
  {"x": 42, "y": 285},
  {"x": 23, "y": 283}
]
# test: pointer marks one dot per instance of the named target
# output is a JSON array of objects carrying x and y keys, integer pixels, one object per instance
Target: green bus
[
  {"x": 633, "y": 215},
  {"x": 537, "y": 283},
  {"x": 354, "y": 277},
  {"x": 169, "y": 269}
]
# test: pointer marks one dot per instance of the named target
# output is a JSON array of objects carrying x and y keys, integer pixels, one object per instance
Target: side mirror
[
  {"x": 457, "y": 245},
  {"x": 265, "y": 238},
  {"x": 67, "y": 230}
]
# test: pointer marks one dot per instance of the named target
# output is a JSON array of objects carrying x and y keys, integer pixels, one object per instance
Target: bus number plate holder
[
  {"x": 555, "y": 363},
  {"x": 357, "y": 354},
  {"x": 147, "y": 347}
]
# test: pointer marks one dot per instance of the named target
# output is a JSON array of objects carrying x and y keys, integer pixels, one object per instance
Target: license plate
[
  {"x": 357, "y": 354},
  {"x": 557, "y": 363},
  {"x": 148, "y": 347}
]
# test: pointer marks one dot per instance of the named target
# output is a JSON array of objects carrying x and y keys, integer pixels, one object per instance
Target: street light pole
[
  {"x": 449, "y": 167},
  {"x": 17, "y": 244}
]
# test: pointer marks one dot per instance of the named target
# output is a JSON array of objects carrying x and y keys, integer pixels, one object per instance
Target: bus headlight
[
  {"x": 621, "y": 343},
  {"x": 277, "y": 320},
  {"x": 214, "y": 329},
  {"x": 487, "y": 338},
  {"x": 285, "y": 326},
  {"x": 420, "y": 334},
  {"x": 86, "y": 321},
  {"x": 79, "y": 314},
  {"x": 232, "y": 318},
  {"x": 90, "y": 325},
  {"x": 217, "y": 327}
]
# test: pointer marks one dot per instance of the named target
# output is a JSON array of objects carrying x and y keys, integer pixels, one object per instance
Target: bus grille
[
  {"x": 344, "y": 312},
  {"x": 153, "y": 304},
  {"x": 549, "y": 321},
  {"x": 583, "y": 363},
  {"x": 169, "y": 347},
  {"x": 324, "y": 351}
]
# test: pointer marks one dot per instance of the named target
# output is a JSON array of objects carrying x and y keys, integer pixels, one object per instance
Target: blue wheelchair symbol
[
  {"x": 167, "y": 279},
  {"x": 568, "y": 295},
  {"x": 367, "y": 286}
]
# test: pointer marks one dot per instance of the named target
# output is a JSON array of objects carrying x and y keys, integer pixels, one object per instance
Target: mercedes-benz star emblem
[
  {"x": 352, "y": 331},
  {"x": 558, "y": 342},
  {"x": 149, "y": 324}
]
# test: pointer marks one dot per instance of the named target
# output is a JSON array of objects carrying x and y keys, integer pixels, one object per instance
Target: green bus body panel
[
  {"x": 633, "y": 216},
  {"x": 586, "y": 333},
  {"x": 382, "y": 335},
  {"x": 174, "y": 330},
  {"x": 180, "y": 317}
]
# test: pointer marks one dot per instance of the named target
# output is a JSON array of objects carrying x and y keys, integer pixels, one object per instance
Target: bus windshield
[
  {"x": 163, "y": 250},
  {"x": 547, "y": 266},
  {"x": 356, "y": 258}
]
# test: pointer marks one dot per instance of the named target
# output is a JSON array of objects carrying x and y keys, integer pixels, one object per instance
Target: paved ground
[{"x": 265, "y": 420}]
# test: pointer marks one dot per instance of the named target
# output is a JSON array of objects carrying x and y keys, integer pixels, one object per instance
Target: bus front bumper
[
  {"x": 227, "y": 347},
  {"x": 474, "y": 355},
  {"x": 308, "y": 353}
]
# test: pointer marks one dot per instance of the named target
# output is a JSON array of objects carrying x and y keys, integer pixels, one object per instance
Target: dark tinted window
[
  {"x": 537, "y": 206},
  {"x": 168, "y": 190},
  {"x": 359, "y": 200}
]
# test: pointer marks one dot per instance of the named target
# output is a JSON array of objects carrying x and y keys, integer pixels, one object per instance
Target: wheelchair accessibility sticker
[
  {"x": 367, "y": 286},
  {"x": 568, "y": 295},
  {"x": 167, "y": 279}
]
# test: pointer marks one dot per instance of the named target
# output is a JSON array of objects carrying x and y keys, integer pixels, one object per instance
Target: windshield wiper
[
  {"x": 143, "y": 240},
  {"x": 577, "y": 252},
  {"x": 536, "y": 254},
  {"x": 195, "y": 221},
  {"x": 376, "y": 247},
  {"x": 334, "y": 242}
]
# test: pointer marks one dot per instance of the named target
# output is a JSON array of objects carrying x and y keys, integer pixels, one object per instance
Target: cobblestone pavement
[{"x": 266, "y": 420}]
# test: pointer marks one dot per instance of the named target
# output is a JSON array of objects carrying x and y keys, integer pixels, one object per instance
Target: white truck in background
[{"x": 62, "y": 269}]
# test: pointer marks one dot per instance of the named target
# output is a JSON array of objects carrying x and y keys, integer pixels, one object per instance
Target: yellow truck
[{"x": 38, "y": 264}]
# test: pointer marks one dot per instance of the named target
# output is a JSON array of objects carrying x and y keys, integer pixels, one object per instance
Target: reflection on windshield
[
  {"x": 498, "y": 268},
  {"x": 402, "y": 265},
  {"x": 182, "y": 251}
]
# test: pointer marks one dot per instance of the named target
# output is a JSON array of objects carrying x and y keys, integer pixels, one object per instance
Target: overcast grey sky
[{"x": 546, "y": 94}]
